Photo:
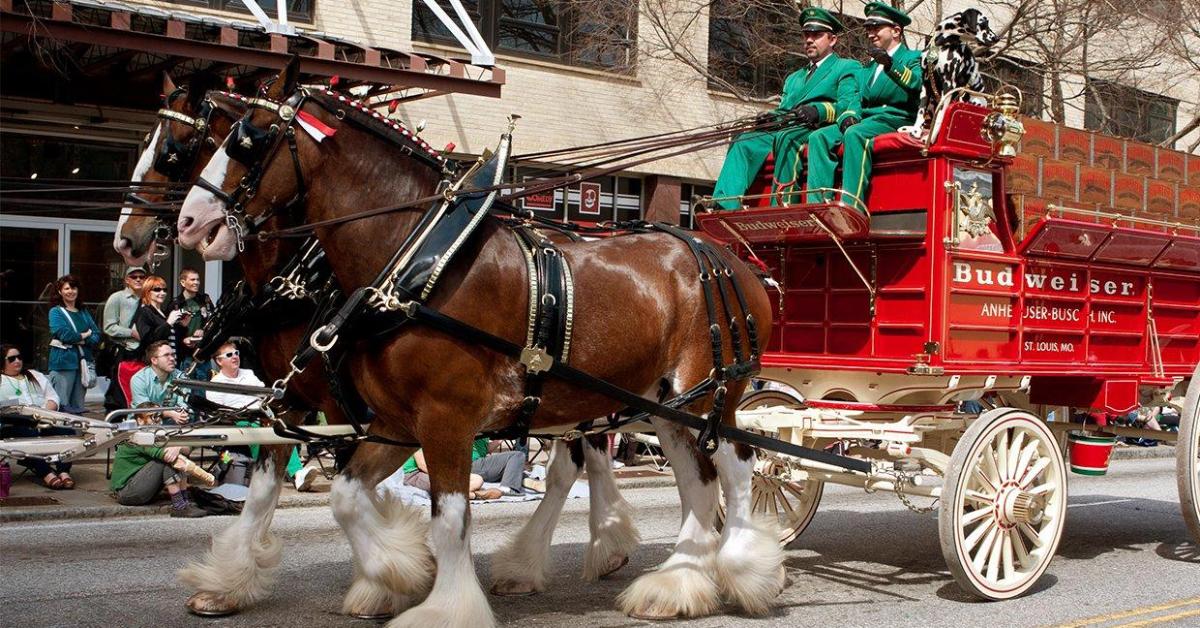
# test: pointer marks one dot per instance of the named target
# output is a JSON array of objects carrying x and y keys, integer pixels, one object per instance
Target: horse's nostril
[{"x": 185, "y": 222}]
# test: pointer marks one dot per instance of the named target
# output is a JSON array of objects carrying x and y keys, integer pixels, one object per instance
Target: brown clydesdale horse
[
  {"x": 640, "y": 322},
  {"x": 239, "y": 568}
]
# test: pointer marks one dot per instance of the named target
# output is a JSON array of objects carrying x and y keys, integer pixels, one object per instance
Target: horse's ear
[
  {"x": 285, "y": 84},
  {"x": 168, "y": 85}
]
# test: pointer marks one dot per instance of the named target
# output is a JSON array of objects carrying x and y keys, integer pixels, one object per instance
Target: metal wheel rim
[
  {"x": 1187, "y": 453},
  {"x": 999, "y": 555}
]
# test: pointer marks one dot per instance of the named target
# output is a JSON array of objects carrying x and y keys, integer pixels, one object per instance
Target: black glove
[
  {"x": 848, "y": 122},
  {"x": 806, "y": 114},
  {"x": 766, "y": 117},
  {"x": 880, "y": 56}
]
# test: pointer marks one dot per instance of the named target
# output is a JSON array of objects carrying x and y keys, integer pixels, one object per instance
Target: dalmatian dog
[{"x": 949, "y": 62}]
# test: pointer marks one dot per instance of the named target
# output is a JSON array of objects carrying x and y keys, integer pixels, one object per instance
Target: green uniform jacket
[
  {"x": 896, "y": 91},
  {"x": 832, "y": 88}
]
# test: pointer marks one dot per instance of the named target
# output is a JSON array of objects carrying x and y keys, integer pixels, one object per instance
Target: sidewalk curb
[{"x": 299, "y": 500}]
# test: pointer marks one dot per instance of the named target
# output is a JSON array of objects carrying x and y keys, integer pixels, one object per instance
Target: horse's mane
[{"x": 372, "y": 121}]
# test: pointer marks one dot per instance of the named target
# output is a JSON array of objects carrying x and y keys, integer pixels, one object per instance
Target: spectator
[
  {"x": 150, "y": 383},
  {"x": 151, "y": 323},
  {"x": 507, "y": 468},
  {"x": 118, "y": 328},
  {"x": 198, "y": 305},
  {"x": 140, "y": 473},
  {"x": 229, "y": 361},
  {"x": 31, "y": 388},
  {"x": 73, "y": 334}
]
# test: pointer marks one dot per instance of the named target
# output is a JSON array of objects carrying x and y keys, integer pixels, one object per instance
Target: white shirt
[
  {"x": 28, "y": 393},
  {"x": 245, "y": 377},
  {"x": 879, "y": 68}
]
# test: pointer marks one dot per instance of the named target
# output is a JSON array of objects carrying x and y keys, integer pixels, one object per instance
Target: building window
[
  {"x": 689, "y": 192},
  {"x": 297, "y": 10},
  {"x": 1025, "y": 76},
  {"x": 1124, "y": 111},
  {"x": 595, "y": 33},
  {"x": 753, "y": 47}
]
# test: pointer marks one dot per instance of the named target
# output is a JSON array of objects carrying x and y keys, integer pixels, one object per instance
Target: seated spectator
[
  {"x": 31, "y": 388},
  {"x": 140, "y": 473},
  {"x": 229, "y": 361},
  {"x": 506, "y": 467},
  {"x": 150, "y": 383}
]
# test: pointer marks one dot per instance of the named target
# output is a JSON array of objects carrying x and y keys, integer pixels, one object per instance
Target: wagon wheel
[
  {"x": 1004, "y": 503},
  {"x": 1187, "y": 457},
  {"x": 791, "y": 504}
]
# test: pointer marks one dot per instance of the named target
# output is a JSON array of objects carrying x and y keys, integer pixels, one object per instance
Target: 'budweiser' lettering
[
  {"x": 764, "y": 225},
  {"x": 965, "y": 273}
]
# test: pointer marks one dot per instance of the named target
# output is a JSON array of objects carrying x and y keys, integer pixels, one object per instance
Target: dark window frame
[
  {"x": 305, "y": 15},
  {"x": 1137, "y": 122},
  {"x": 557, "y": 28},
  {"x": 760, "y": 76}
]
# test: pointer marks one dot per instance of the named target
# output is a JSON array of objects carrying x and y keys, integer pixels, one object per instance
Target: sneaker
[
  {"x": 617, "y": 464},
  {"x": 191, "y": 511},
  {"x": 304, "y": 479}
]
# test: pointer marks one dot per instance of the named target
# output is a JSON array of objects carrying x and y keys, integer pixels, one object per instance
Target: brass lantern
[{"x": 1002, "y": 127}]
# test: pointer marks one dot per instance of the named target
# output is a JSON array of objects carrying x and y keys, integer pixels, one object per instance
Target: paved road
[{"x": 865, "y": 561}]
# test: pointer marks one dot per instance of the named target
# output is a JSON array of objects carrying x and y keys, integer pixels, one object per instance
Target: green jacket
[
  {"x": 129, "y": 460},
  {"x": 832, "y": 89},
  {"x": 896, "y": 91}
]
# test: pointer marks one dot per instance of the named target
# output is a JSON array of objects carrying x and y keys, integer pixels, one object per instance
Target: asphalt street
[{"x": 1125, "y": 559}]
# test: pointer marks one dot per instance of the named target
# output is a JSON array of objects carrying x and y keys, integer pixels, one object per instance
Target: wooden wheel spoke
[
  {"x": 976, "y": 515},
  {"x": 993, "y": 568},
  {"x": 1030, "y": 534},
  {"x": 1018, "y": 544},
  {"x": 985, "y": 549},
  {"x": 1006, "y": 555},
  {"x": 1001, "y": 453},
  {"x": 974, "y": 537},
  {"x": 1014, "y": 455},
  {"x": 988, "y": 472},
  {"x": 1022, "y": 467},
  {"x": 801, "y": 493},
  {"x": 979, "y": 497}
]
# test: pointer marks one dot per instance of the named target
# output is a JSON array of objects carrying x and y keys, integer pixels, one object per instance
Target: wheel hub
[{"x": 1014, "y": 506}]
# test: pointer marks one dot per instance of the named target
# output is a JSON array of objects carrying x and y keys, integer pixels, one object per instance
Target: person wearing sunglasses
[
  {"x": 28, "y": 387},
  {"x": 152, "y": 324},
  {"x": 229, "y": 362},
  {"x": 122, "y": 347}
]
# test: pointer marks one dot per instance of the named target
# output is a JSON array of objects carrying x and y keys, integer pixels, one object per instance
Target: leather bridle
[{"x": 256, "y": 148}]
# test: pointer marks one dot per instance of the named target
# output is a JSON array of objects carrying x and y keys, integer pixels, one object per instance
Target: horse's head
[
  {"x": 191, "y": 123},
  {"x": 969, "y": 27},
  {"x": 257, "y": 172}
]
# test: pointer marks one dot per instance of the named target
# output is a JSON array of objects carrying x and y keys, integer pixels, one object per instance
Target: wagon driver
[
  {"x": 813, "y": 97},
  {"x": 889, "y": 90}
]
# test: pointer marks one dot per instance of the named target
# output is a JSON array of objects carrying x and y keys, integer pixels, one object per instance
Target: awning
[{"x": 100, "y": 45}]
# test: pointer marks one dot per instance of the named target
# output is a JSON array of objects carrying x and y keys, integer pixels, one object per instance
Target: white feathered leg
[
  {"x": 239, "y": 568},
  {"x": 750, "y": 560},
  {"x": 393, "y": 566},
  {"x": 614, "y": 537},
  {"x": 456, "y": 601},
  {"x": 683, "y": 586},
  {"x": 519, "y": 568}
]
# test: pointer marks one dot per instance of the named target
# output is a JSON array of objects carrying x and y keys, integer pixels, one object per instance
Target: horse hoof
[
  {"x": 510, "y": 588},
  {"x": 207, "y": 604},
  {"x": 614, "y": 565}
]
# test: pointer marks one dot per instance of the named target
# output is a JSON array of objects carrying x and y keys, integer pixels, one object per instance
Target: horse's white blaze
[
  {"x": 750, "y": 560},
  {"x": 144, "y": 162},
  {"x": 456, "y": 598},
  {"x": 201, "y": 208},
  {"x": 520, "y": 566},
  {"x": 240, "y": 566},
  {"x": 683, "y": 585},
  {"x": 392, "y": 563},
  {"x": 610, "y": 520}
]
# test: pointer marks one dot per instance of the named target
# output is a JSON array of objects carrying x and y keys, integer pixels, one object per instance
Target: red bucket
[{"x": 1090, "y": 452}]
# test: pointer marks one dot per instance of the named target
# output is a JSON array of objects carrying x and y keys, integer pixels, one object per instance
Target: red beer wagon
[{"x": 886, "y": 324}]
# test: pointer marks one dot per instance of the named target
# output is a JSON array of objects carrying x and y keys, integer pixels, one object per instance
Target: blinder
[{"x": 255, "y": 148}]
